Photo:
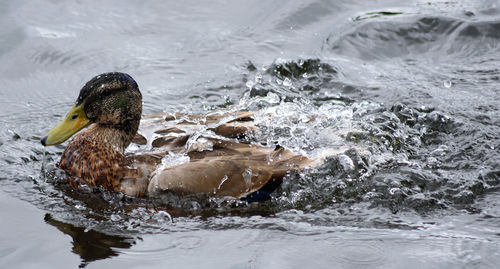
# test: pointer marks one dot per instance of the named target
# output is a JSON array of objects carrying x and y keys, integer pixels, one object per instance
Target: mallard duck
[{"x": 213, "y": 160}]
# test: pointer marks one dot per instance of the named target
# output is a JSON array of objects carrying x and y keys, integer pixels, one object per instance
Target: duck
[{"x": 170, "y": 152}]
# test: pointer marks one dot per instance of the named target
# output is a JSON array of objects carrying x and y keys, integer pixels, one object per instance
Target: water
[{"x": 401, "y": 100}]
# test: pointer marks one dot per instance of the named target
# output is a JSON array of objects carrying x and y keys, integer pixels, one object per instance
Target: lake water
[{"x": 404, "y": 96}]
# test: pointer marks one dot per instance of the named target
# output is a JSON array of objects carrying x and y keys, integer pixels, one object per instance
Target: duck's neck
[{"x": 118, "y": 138}]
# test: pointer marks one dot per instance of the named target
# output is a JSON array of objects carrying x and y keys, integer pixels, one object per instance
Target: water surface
[{"x": 402, "y": 97}]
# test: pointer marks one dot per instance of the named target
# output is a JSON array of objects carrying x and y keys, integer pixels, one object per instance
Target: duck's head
[{"x": 111, "y": 99}]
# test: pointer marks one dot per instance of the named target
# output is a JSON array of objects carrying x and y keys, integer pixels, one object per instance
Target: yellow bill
[{"x": 72, "y": 123}]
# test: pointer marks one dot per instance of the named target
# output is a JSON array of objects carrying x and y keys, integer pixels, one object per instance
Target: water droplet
[
  {"x": 392, "y": 191},
  {"x": 44, "y": 161},
  {"x": 447, "y": 84},
  {"x": 222, "y": 181},
  {"x": 247, "y": 176},
  {"x": 258, "y": 78},
  {"x": 272, "y": 98},
  {"x": 250, "y": 84},
  {"x": 346, "y": 162},
  {"x": 287, "y": 82},
  {"x": 162, "y": 216},
  {"x": 115, "y": 217}
]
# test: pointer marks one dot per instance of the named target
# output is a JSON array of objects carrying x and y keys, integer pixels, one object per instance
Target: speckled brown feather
[{"x": 92, "y": 159}]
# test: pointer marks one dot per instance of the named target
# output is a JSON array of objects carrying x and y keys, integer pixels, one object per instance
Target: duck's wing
[
  {"x": 215, "y": 177},
  {"x": 228, "y": 169}
]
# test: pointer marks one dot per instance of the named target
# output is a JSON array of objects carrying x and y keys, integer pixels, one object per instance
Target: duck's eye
[{"x": 74, "y": 117}]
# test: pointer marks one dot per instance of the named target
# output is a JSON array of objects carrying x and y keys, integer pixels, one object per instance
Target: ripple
[
  {"x": 6, "y": 252},
  {"x": 166, "y": 246},
  {"x": 189, "y": 242},
  {"x": 443, "y": 37},
  {"x": 360, "y": 253},
  {"x": 49, "y": 56},
  {"x": 160, "y": 249}
]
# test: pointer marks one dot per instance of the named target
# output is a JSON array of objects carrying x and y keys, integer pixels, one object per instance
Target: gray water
[{"x": 403, "y": 96}]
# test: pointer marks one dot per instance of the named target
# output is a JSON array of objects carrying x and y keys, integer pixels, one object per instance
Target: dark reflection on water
[{"x": 91, "y": 245}]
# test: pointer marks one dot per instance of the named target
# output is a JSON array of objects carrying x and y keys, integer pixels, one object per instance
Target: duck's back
[{"x": 216, "y": 162}]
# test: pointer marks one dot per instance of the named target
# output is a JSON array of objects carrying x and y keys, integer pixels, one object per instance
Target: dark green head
[{"x": 111, "y": 98}]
